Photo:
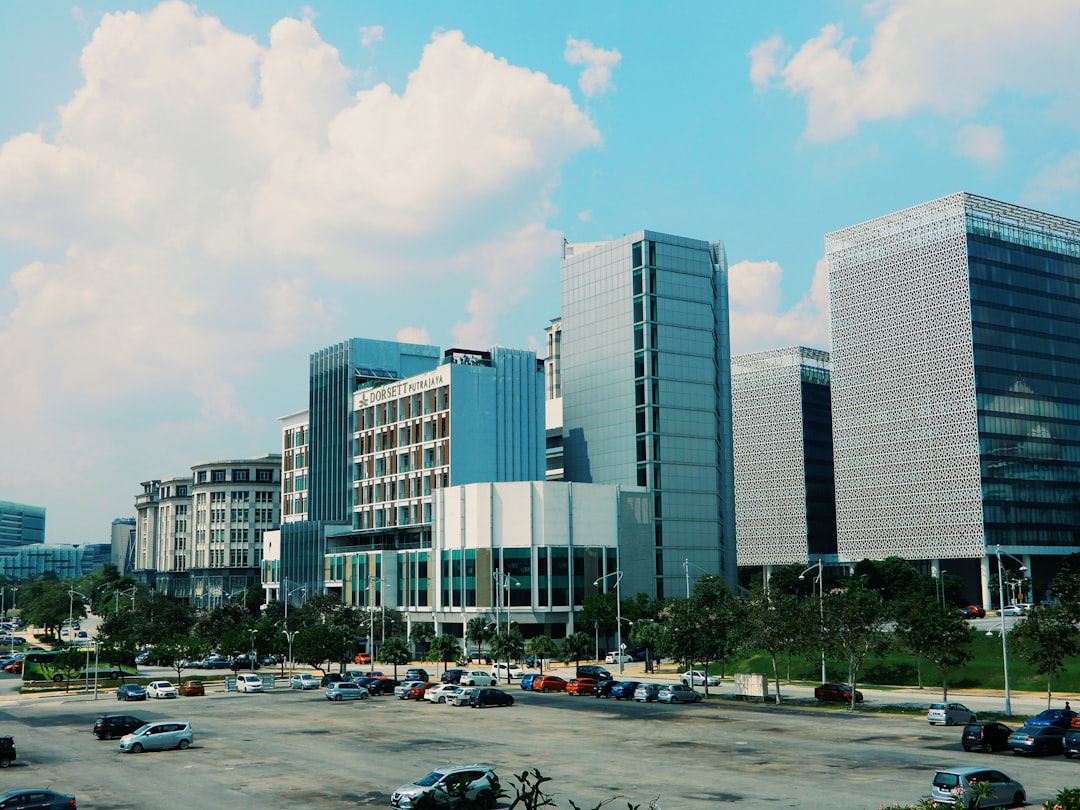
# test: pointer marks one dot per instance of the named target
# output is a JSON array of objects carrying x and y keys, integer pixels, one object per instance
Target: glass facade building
[
  {"x": 645, "y": 381},
  {"x": 20, "y": 525},
  {"x": 956, "y": 351},
  {"x": 785, "y": 494}
]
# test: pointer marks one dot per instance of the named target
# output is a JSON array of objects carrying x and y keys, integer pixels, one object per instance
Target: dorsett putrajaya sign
[{"x": 414, "y": 385}]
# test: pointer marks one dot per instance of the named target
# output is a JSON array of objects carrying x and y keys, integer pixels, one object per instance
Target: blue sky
[{"x": 194, "y": 198}]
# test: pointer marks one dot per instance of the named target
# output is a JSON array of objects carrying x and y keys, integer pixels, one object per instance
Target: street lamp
[
  {"x": 371, "y": 580},
  {"x": 127, "y": 592},
  {"x": 686, "y": 567},
  {"x": 821, "y": 610},
  {"x": 251, "y": 660},
  {"x": 618, "y": 614},
  {"x": 290, "y": 593},
  {"x": 72, "y": 593},
  {"x": 290, "y": 635},
  {"x": 1001, "y": 615}
]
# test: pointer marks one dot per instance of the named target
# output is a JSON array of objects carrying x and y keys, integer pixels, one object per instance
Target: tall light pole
[
  {"x": 618, "y": 614},
  {"x": 251, "y": 660},
  {"x": 288, "y": 594},
  {"x": 1001, "y": 615},
  {"x": 821, "y": 610},
  {"x": 371, "y": 580},
  {"x": 290, "y": 635},
  {"x": 72, "y": 593}
]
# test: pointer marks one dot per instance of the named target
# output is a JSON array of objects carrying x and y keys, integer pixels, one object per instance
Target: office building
[
  {"x": 785, "y": 495},
  {"x": 122, "y": 540},
  {"x": 20, "y": 525},
  {"x": 956, "y": 402},
  {"x": 646, "y": 402}
]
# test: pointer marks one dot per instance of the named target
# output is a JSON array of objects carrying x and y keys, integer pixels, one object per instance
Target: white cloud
[
  {"x": 595, "y": 80},
  {"x": 370, "y": 34},
  {"x": 585, "y": 216},
  {"x": 924, "y": 54},
  {"x": 983, "y": 144},
  {"x": 1060, "y": 178},
  {"x": 757, "y": 321},
  {"x": 204, "y": 202},
  {"x": 413, "y": 334}
]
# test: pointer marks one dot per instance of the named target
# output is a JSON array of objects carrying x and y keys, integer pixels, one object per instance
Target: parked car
[
  {"x": 192, "y": 689},
  {"x": 698, "y": 678},
  {"x": 36, "y": 799},
  {"x": 345, "y": 690},
  {"x": 836, "y": 693},
  {"x": 646, "y": 692},
  {"x": 1013, "y": 610},
  {"x": 441, "y": 693},
  {"x": 614, "y": 658},
  {"x": 526, "y": 682},
  {"x": 1071, "y": 743},
  {"x": 677, "y": 693},
  {"x": 1062, "y": 718},
  {"x": 382, "y": 686},
  {"x": 244, "y": 662},
  {"x": 248, "y": 682},
  {"x": 302, "y": 681},
  {"x": 158, "y": 736},
  {"x": 951, "y": 785},
  {"x": 452, "y": 675},
  {"x": 14, "y": 668},
  {"x": 109, "y": 726},
  {"x": 401, "y": 691},
  {"x": 417, "y": 674},
  {"x": 548, "y": 683},
  {"x": 624, "y": 690},
  {"x": 7, "y": 751},
  {"x": 949, "y": 714},
  {"x": 465, "y": 694},
  {"x": 1037, "y": 740},
  {"x": 602, "y": 689},
  {"x": 501, "y": 670},
  {"x": 476, "y": 677},
  {"x": 486, "y": 696},
  {"x": 971, "y": 612},
  {"x": 594, "y": 672},
  {"x": 161, "y": 689},
  {"x": 476, "y": 784},
  {"x": 362, "y": 658},
  {"x": 985, "y": 737},
  {"x": 331, "y": 677},
  {"x": 580, "y": 686},
  {"x": 418, "y": 690},
  {"x": 216, "y": 662},
  {"x": 131, "y": 691}
]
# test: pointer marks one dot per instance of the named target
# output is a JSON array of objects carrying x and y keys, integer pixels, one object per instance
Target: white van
[
  {"x": 248, "y": 682},
  {"x": 477, "y": 677}
]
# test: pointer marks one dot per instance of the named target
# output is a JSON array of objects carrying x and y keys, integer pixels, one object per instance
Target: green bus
[{"x": 76, "y": 664}]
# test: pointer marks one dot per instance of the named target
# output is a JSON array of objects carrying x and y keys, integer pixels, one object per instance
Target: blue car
[
  {"x": 624, "y": 690},
  {"x": 527, "y": 681},
  {"x": 1062, "y": 718}
]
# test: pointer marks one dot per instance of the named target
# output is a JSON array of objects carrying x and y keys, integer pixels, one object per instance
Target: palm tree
[
  {"x": 394, "y": 650},
  {"x": 422, "y": 633},
  {"x": 507, "y": 644},
  {"x": 575, "y": 647},
  {"x": 478, "y": 630},
  {"x": 445, "y": 648},
  {"x": 541, "y": 647}
]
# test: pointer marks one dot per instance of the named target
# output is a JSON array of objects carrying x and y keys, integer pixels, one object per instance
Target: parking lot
[{"x": 293, "y": 749}]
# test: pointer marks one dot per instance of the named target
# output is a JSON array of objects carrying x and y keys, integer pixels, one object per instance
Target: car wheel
[
  {"x": 136, "y": 748},
  {"x": 546, "y": 689},
  {"x": 1068, "y": 754},
  {"x": 1018, "y": 799},
  {"x": 948, "y": 721},
  {"x": 337, "y": 697},
  {"x": 363, "y": 696},
  {"x": 58, "y": 678},
  {"x": 182, "y": 745},
  {"x": 4, "y": 762},
  {"x": 697, "y": 699},
  {"x": 987, "y": 748},
  {"x": 116, "y": 676}
]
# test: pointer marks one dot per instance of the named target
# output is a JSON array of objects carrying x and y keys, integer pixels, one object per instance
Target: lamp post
[
  {"x": 251, "y": 660},
  {"x": 371, "y": 580},
  {"x": 686, "y": 567},
  {"x": 126, "y": 592},
  {"x": 1001, "y": 615},
  {"x": 72, "y": 593},
  {"x": 289, "y": 594},
  {"x": 821, "y": 610},
  {"x": 290, "y": 635},
  {"x": 502, "y": 582},
  {"x": 618, "y": 614}
]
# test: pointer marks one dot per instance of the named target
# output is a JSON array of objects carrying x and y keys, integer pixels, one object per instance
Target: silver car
[
  {"x": 476, "y": 785},
  {"x": 158, "y": 736},
  {"x": 950, "y": 785},
  {"x": 677, "y": 693},
  {"x": 345, "y": 690}
]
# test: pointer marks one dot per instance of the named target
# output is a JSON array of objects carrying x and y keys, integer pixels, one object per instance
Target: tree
[
  {"x": 721, "y": 622},
  {"x": 575, "y": 647},
  {"x": 774, "y": 626},
  {"x": 598, "y": 611},
  {"x": 681, "y": 634},
  {"x": 648, "y": 634},
  {"x": 423, "y": 633},
  {"x": 68, "y": 662},
  {"x": 854, "y": 627},
  {"x": 541, "y": 647},
  {"x": 395, "y": 650},
  {"x": 179, "y": 651},
  {"x": 213, "y": 625},
  {"x": 320, "y": 643},
  {"x": 445, "y": 648},
  {"x": 45, "y": 603},
  {"x": 507, "y": 645},
  {"x": 478, "y": 630},
  {"x": 937, "y": 634},
  {"x": 1045, "y": 638}
]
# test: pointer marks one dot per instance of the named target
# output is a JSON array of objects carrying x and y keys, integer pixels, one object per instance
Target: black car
[
  {"x": 417, "y": 674},
  {"x": 111, "y": 726},
  {"x": 381, "y": 686},
  {"x": 244, "y": 662},
  {"x": 331, "y": 677},
  {"x": 602, "y": 689},
  {"x": 452, "y": 675},
  {"x": 985, "y": 737},
  {"x": 594, "y": 672},
  {"x": 7, "y": 751},
  {"x": 1072, "y": 743},
  {"x": 484, "y": 697},
  {"x": 1037, "y": 740},
  {"x": 36, "y": 799},
  {"x": 130, "y": 691}
]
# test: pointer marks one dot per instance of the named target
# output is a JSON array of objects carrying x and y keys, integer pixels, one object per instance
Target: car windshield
[
  {"x": 946, "y": 780},
  {"x": 429, "y": 780},
  {"x": 141, "y": 729}
]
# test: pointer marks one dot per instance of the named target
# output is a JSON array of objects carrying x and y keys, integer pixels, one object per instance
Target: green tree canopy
[
  {"x": 855, "y": 627},
  {"x": 575, "y": 647},
  {"x": 445, "y": 648},
  {"x": 1046, "y": 637},
  {"x": 479, "y": 630},
  {"x": 395, "y": 650},
  {"x": 507, "y": 645},
  {"x": 541, "y": 647},
  {"x": 937, "y": 634}
]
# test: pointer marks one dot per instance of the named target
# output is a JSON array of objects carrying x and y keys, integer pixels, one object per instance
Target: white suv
[
  {"x": 477, "y": 677},
  {"x": 161, "y": 689},
  {"x": 500, "y": 671},
  {"x": 476, "y": 784}
]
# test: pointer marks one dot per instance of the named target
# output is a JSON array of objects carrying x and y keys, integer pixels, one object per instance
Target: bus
[{"x": 74, "y": 664}]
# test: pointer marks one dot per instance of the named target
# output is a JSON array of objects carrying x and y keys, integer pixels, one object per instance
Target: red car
[
  {"x": 417, "y": 692},
  {"x": 362, "y": 658},
  {"x": 837, "y": 693},
  {"x": 15, "y": 667},
  {"x": 580, "y": 686},
  {"x": 548, "y": 683}
]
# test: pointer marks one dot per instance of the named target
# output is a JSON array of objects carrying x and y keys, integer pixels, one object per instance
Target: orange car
[
  {"x": 580, "y": 686},
  {"x": 362, "y": 658},
  {"x": 548, "y": 683},
  {"x": 192, "y": 689},
  {"x": 417, "y": 692}
]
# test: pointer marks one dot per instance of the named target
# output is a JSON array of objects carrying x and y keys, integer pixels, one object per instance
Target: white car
[
  {"x": 161, "y": 689},
  {"x": 464, "y": 695},
  {"x": 696, "y": 677},
  {"x": 248, "y": 682},
  {"x": 1014, "y": 610},
  {"x": 614, "y": 658},
  {"x": 443, "y": 693},
  {"x": 500, "y": 670},
  {"x": 949, "y": 714},
  {"x": 303, "y": 681}
]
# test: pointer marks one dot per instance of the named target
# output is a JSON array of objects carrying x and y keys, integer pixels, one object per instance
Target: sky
[{"x": 193, "y": 198}]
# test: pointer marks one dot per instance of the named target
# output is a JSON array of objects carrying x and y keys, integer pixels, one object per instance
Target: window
[
  {"x": 200, "y": 477},
  {"x": 240, "y": 475},
  {"x": 267, "y": 476},
  {"x": 217, "y": 476}
]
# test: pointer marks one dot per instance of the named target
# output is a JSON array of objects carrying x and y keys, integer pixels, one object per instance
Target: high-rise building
[
  {"x": 785, "y": 494},
  {"x": 645, "y": 380},
  {"x": 956, "y": 402},
  {"x": 20, "y": 525},
  {"x": 123, "y": 544}
]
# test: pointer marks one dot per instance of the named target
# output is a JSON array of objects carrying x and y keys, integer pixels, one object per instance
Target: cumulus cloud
[
  {"x": 204, "y": 201},
  {"x": 370, "y": 34},
  {"x": 983, "y": 144},
  {"x": 923, "y": 54},
  {"x": 757, "y": 320},
  {"x": 595, "y": 80},
  {"x": 413, "y": 334},
  {"x": 1061, "y": 177}
]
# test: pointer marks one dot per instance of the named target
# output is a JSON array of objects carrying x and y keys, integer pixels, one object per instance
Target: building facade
[
  {"x": 20, "y": 525},
  {"x": 785, "y": 493},
  {"x": 956, "y": 407},
  {"x": 646, "y": 400}
]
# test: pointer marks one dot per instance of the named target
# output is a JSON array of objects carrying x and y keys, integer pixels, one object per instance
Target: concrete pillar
[{"x": 984, "y": 580}]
